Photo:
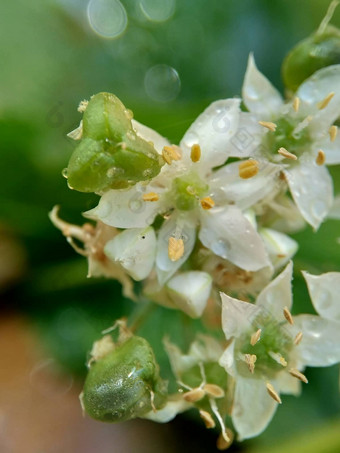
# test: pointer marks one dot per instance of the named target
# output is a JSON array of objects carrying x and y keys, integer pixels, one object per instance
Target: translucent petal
[
  {"x": 169, "y": 411},
  {"x": 125, "y": 209},
  {"x": 212, "y": 130},
  {"x": 227, "y": 233},
  {"x": 190, "y": 292},
  {"x": 324, "y": 291},
  {"x": 320, "y": 345},
  {"x": 135, "y": 250},
  {"x": 312, "y": 189},
  {"x": 278, "y": 294},
  {"x": 287, "y": 384},
  {"x": 280, "y": 247},
  {"x": 331, "y": 149},
  {"x": 259, "y": 95},
  {"x": 150, "y": 135},
  {"x": 253, "y": 408}
]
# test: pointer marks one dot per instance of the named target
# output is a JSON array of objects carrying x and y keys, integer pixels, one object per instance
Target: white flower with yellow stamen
[
  {"x": 299, "y": 135},
  {"x": 268, "y": 350},
  {"x": 188, "y": 194}
]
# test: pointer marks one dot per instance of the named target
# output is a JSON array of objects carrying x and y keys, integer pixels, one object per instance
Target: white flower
[
  {"x": 268, "y": 350},
  {"x": 298, "y": 135},
  {"x": 188, "y": 193}
]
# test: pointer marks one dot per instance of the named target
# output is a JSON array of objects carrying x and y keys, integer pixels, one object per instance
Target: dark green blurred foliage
[{"x": 50, "y": 60}]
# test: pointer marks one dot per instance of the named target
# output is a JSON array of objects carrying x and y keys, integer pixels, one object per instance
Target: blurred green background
[{"x": 166, "y": 60}]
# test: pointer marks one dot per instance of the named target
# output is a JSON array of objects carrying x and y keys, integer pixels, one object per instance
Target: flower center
[{"x": 187, "y": 190}]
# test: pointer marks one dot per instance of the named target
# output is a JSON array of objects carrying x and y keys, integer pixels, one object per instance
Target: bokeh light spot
[
  {"x": 107, "y": 18},
  {"x": 162, "y": 83},
  {"x": 158, "y": 10}
]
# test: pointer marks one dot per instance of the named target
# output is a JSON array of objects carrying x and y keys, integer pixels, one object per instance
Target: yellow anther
[
  {"x": 255, "y": 337},
  {"x": 287, "y": 314},
  {"x": 298, "y": 375},
  {"x": 333, "y": 132},
  {"x": 248, "y": 168},
  {"x": 213, "y": 390},
  {"x": 82, "y": 106},
  {"x": 321, "y": 157},
  {"x": 296, "y": 104},
  {"x": 286, "y": 154},
  {"x": 298, "y": 338},
  {"x": 323, "y": 104},
  {"x": 250, "y": 360},
  {"x": 222, "y": 443},
  {"x": 195, "y": 153},
  {"x": 207, "y": 203},
  {"x": 151, "y": 196},
  {"x": 272, "y": 392},
  {"x": 207, "y": 418},
  {"x": 194, "y": 395},
  {"x": 171, "y": 153},
  {"x": 269, "y": 125},
  {"x": 175, "y": 248}
]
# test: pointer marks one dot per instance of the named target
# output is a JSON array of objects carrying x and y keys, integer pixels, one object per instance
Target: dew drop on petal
[
  {"x": 162, "y": 83},
  {"x": 190, "y": 139},
  {"x": 107, "y": 18},
  {"x": 158, "y": 10}
]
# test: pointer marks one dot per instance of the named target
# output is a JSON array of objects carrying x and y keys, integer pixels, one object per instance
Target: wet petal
[
  {"x": 312, "y": 189},
  {"x": 324, "y": 291},
  {"x": 227, "y": 233},
  {"x": 259, "y": 95},
  {"x": 135, "y": 250},
  {"x": 331, "y": 150},
  {"x": 150, "y": 135},
  {"x": 280, "y": 247},
  {"x": 190, "y": 292},
  {"x": 320, "y": 345},
  {"x": 212, "y": 130},
  {"x": 253, "y": 408},
  {"x": 125, "y": 209},
  {"x": 278, "y": 294}
]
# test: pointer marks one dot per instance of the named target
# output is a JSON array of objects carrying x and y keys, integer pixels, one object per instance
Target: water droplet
[
  {"x": 107, "y": 18},
  {"x": 64, "y": 173},
  {"x": 114, "y": 171},
  {"x": 162, "y": 83},
  {"x": 191, "y": 138},
  {"x": 221, "y": 248},
  {"x": 136, "y": 205},
  {"x": 158, "y": 10},
  {"x": 147, "y": 173},
  {"x": 129, "y": 114}
]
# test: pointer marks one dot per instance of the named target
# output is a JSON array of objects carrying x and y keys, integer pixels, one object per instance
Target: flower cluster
[{"x": 205, "y": 227}]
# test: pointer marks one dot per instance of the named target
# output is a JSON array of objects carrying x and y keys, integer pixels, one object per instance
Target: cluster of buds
[{"x": 212, "y": 215}]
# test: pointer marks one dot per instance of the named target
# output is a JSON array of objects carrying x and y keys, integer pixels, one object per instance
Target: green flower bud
[
  {"x": 320, "y": 49},
  {"x": 110, "y": 154},
  {"x": 125, "y": 383}
]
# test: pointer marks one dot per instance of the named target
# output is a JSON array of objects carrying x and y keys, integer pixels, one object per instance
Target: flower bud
[{"x": 125, "y": 383}]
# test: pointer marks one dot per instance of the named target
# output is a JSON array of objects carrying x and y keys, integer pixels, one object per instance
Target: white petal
[
  {"x": 226, "y": 184},
  {"x": 190, "y": 292},
  {"x": 237, "y": 315},
  {"x": 213, "y": 130},
  {"x": 169, "y": 411},
  {"x": 253, "y": 408},
  {"x": 206, "y": 349},
  {"x": 135, "y": 250},
  {"x": 125, "y": 209},
  {"x": 259, "y": 95},
  {"x": 280, "y": 247},
  {"x": 312, "y": 189},
  {"x": 287, "y": 384},
  {"x": 331, "y": 149},
  {"x": 320, "y": 345},
  {"x": 227, "y": 233},
  {"x": 324, "y": 291},
  {"x": 315, "y": 89},
  {"x": 227, "y": 359},
  {"x": 150, "y": 135},
  {"x": 180, "y": 228},
  {"x": 180, "y": 363},
  {"x": 278, "y": 294}
]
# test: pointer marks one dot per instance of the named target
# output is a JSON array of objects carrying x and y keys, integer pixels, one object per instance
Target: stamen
[
  {"x": 272, "y": 392},
  {"x": 175, "y": 248},
  {"x": 152, "y": 401},
  {"x": 207, "y": 418},
  {"x": 298, "y": 375},
  {"x": 298, "y": 338},
  {"x": 287, "y": 314},
  {"x": 269, "y": 125},
  {"x": 213, "y": 390},
  {"x": 151, "y": 196},
  {"x": 320, "y": 158},
  {"x": 296, "y": 104},
  {"x": 333, "y": 132},
  {"x": 323, "y": 104},
  {"x": 250, "y": 360},
  {"x": 171, "y": 153},
  {"x": 82, "y": 106},
  {"x": 207, "y": 203},
  {"x": 194, "y": 395},
  {"x": 195, "y": 154},
  {"x": 287, "y": 154},
  {"x": 255, "y": 337},
  {"x": 278, "y": 358},
  {"x": 221, "y": 443},
  {"x": 214, "y": 408},
  {"x": 248, "y": 169}
]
